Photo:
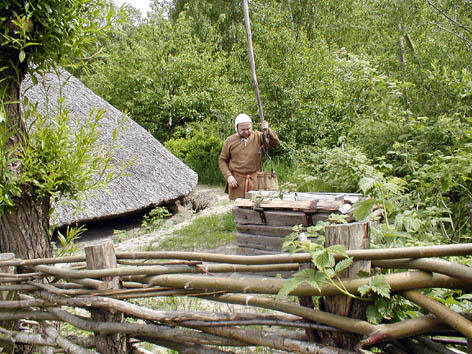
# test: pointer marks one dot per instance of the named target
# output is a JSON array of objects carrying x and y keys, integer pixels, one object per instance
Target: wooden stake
[
  {"x": 353, "y": 236},
  {"x": 102, "y": 256}
]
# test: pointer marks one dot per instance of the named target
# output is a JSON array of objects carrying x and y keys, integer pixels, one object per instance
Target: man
[{"x": 241, "y": 156}]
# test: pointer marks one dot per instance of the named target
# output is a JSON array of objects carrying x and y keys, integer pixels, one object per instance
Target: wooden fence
[{"x": 93, "y": 292}]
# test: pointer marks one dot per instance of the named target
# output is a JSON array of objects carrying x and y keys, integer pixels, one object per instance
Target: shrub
[{"x": 200, "y": 150}]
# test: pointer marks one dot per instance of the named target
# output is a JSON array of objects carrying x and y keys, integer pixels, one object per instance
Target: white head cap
[{"x": 241, "y": 118}]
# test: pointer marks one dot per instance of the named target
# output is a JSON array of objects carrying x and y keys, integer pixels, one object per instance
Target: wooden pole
[
  {"x": 253, "y": 66},
  {"x": 102, "y": 256}
]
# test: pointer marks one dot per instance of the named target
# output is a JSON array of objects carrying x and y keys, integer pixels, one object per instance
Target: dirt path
[{"x": 129, "y": 236}]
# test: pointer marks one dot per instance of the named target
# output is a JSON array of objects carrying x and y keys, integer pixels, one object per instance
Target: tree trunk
[{"x": 24, "y": 230}]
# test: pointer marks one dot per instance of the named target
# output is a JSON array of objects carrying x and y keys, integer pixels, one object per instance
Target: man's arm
[{"x": 223, "y": 163}]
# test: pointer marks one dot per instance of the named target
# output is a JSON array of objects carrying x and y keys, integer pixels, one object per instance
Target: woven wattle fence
[{"x": 93, "y": 292}]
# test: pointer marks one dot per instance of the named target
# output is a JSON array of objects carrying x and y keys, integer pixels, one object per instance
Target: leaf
[
  {"x": 363, "y": 209},
  {"x": 22, "y": 56},
  {"x": 364, "y": 289},
  {"x": 366, "y": 183},
  {"x": 380, "y": 286},
  {"x": 373, "y": 316},
  {"x": 306, "y": 275},
  {"x": 338, "y": 249},
  {"x": 323, "y": 259},
  {"x": 343, "y": 264},
  {"x": 2, "y": 117},
  {"x": 465, "y": 297}
]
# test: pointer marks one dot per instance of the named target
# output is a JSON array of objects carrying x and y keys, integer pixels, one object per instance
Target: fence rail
[{"x": 102, "y": 283}]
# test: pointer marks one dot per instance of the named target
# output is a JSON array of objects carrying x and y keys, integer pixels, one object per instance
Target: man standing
[{"x": 241, "y": 156}]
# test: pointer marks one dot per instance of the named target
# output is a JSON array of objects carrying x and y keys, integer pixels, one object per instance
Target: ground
[{"x": 128, "y": 234}]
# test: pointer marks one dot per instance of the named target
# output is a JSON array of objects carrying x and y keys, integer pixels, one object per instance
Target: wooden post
[
  {"x": 102, "y": 256},
  {"x": 353, "y": 236}
]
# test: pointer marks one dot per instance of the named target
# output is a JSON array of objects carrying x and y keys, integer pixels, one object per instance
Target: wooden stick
[
  {"x": 455, "y": 270},
  {"x": 65, "y": 344},
  {"x": 452, "y": 318},
  {"x": 260, "y": 285},
  {"x": 273, "y": 341},
  {"x": 185, "y": 348},
  {"x": 135, "y": 329},
  {"x": 462, "y": 249},
  {"x": 348, "y": 324},
  {"x": 252, "y": 64},
  {"x": 155, "y": 270}
]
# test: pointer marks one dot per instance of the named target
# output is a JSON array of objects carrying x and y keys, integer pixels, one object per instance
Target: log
[
  {"x": 102, "y": 256},
  {"x": 353, "y": 236}
]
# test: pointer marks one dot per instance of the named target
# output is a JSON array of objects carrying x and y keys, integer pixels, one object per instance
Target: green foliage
[
  {"x": 45, "y": 32},
  {"x": 56, "y": 160},
  {"x": 9, "y": 181},
  {"x": 165, "y": 76},
  {"x": 376, "y": 286},
  {"x": 67, "y": 241},
  {"x": 324, "y": 259},
  {"x": 199, "y": 148},
  {"x": 155, "y": 218}
]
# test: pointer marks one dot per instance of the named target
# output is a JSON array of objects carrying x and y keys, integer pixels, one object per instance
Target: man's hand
[
  {"x": 264, "y": 125},
  {"x": 232, "y": 182}
]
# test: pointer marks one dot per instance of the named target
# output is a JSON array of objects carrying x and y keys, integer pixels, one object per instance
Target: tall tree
[{"x": 35, "y": 35}]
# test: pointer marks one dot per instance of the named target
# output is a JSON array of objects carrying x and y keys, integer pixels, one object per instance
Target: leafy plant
[
  {"x": 155, "y": 218},
  {"x": 57, "y": 160},
  {"x": 199, "y": 148},
  {"x": 326, "y": 268},
  {"x": 67, "y": 241}
]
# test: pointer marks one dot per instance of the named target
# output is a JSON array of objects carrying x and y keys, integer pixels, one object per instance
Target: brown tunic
[{"x": 240, "y": 158}]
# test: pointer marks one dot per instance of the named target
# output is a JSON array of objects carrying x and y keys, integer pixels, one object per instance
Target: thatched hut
[{"x": 156, "y": 177}]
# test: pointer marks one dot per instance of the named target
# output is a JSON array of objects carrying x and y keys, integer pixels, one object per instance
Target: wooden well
[{"x": 264, "y": 218}]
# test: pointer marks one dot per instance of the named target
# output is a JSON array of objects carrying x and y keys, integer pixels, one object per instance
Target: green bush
[{"x": 200, "y": 151}]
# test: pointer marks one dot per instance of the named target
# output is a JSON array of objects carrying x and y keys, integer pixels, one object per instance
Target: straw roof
[{"x": 156, "y": 176}]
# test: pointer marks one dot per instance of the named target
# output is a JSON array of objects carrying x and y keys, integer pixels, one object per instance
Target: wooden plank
[
  {"x": 259, "y": 242},
  {"x": 264, "y": 230},
  {"x": 245, "y": 216},
  {"x": 348, "y": 197},
  {"x": 306, "y": 205}
]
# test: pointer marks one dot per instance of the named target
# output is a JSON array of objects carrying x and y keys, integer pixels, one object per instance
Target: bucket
[{"x": 267, "y": 181}]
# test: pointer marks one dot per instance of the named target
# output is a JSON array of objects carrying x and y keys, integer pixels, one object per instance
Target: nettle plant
[{"x": 328, "y": 263}]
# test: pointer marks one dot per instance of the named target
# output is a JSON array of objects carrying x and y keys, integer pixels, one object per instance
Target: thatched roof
[{"x": 155, "y": 177}]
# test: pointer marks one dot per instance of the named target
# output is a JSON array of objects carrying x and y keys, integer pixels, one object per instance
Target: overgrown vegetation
[{"x": 372, "y": 97}]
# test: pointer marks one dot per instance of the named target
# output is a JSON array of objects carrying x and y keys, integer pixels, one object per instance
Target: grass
[{"x": 207, "y": 232}]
